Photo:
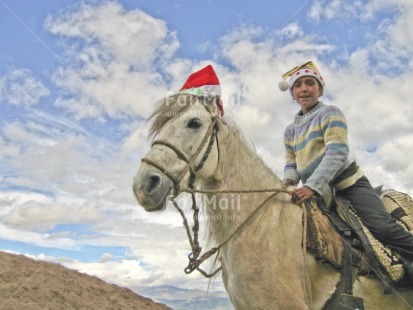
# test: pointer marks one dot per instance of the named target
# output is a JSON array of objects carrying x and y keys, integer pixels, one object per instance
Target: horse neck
[
  {"x": 239, "y": 165},
  {"x": 239, "y": 168}
]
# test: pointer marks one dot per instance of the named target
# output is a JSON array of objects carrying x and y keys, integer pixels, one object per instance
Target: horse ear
[
  {"x": 220, "y": 105},
  {"x": 222, "y": 129}
]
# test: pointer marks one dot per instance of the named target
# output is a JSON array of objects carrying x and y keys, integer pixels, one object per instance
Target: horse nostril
[{"x": 153, "y": 183}]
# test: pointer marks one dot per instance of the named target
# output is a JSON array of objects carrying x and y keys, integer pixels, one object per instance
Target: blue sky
[
  {"x": 195, "y": 23},
  {"x": 78, "y": 80}
]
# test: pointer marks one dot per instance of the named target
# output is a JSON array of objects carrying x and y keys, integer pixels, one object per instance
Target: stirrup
[{"x": 347, "y": 302}]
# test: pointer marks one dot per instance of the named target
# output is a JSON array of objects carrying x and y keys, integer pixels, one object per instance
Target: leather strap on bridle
[{"x": 209, "y": 135}]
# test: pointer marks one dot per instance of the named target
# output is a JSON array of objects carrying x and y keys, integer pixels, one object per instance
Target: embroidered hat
[
  {"x": 307, "y": 69},
  {"x": 204, "y": 83}
]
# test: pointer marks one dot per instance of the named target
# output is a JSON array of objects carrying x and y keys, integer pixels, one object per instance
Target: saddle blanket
[{"x": 325, "y": 241}]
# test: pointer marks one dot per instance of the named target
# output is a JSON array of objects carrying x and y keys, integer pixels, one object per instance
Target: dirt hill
[{"x": 30, "y": 284}]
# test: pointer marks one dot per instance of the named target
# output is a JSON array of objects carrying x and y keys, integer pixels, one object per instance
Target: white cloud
[
  {"x": 21, "y": 88},
  {"x": 36, "y": 239},
  {"x": 291, "y": 31},
  {"x": 340, "y": 9},
  {"x": 113, "y": 59},
  {"x": 46, "y": 154},
  {"x": 242, "y": 33},
  {"x": 110, "y": 27},
  {"x": 35, "y": 216},
  {"x": 126, "y": 272},
  {"x": 106, "y": 257},
  {"x": 394, "y": 50}
]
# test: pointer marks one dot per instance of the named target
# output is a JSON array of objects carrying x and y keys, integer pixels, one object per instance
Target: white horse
[{"x": 264, "y": 265}]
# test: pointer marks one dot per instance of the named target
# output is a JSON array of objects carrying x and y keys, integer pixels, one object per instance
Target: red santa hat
[
  {"x": 204, "y": 83},
  {"x": 307, "y": 69}
]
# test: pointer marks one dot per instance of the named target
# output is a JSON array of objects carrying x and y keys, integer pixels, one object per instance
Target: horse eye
[{"x": 194, "y": 123}]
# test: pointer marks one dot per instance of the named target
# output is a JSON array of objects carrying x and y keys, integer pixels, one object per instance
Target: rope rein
[{"x": 194, "y": 260}]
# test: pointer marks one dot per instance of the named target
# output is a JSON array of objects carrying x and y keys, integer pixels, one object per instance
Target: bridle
[{"x": 210, "y": 135}]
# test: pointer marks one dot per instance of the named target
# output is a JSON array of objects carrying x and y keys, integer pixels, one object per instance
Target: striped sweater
[{"x": 317, "y": 148}]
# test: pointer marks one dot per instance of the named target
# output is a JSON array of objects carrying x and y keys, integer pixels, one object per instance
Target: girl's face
[{"x": 306, "y": 92}]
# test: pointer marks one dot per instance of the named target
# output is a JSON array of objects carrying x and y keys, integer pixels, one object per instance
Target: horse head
[{"x": 184, "y": 149}]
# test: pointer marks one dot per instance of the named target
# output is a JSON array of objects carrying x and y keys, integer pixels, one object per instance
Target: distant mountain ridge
[{"x": 183, "y": 299}]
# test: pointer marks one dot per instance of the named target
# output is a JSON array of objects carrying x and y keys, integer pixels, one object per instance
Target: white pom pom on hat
[
  {"x": 306, "y": 69},
  {"x": 283, "y": 85}
]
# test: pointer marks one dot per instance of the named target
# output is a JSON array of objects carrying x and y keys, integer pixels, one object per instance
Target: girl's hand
[{"x": 299, "y": 195}]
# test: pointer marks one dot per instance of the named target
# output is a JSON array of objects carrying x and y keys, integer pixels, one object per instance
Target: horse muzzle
[{"x": 151, "y": 188}]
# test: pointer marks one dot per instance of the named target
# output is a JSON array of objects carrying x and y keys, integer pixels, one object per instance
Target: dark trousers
[{"x": 372, "y": 212}]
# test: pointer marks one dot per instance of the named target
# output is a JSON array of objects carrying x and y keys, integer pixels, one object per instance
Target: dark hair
[{"x": 320, "y": 87}]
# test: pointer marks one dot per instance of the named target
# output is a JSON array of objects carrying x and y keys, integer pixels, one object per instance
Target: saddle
[{"x": 326, "y": 227}]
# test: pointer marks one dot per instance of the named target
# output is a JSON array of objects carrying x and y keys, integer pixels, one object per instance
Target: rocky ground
[{"x": 30, "y": 284}]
